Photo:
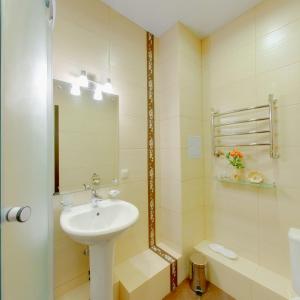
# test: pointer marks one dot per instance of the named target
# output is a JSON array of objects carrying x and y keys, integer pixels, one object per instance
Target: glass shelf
[{"x": 264, "y": 185}]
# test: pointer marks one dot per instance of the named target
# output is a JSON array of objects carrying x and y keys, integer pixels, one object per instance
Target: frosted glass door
[{"x": 25, "y": 247}]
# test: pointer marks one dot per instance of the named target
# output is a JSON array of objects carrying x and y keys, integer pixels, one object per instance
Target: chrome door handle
[{"x": 18, "y": 214}]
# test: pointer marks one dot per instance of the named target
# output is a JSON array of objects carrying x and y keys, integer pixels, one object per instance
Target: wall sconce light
[
  {"x": 108, "y": 88},
  {"x": 98, "y": 93},
  {"x": 75, "y": 89},
  {"x": 83, "y": 80}
]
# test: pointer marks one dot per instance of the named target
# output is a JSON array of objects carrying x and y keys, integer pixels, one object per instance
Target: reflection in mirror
[{"x": 86, "y": 138}]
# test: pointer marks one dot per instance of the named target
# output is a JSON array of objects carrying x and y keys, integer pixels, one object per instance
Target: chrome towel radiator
[{"x": 269, "y": 131}]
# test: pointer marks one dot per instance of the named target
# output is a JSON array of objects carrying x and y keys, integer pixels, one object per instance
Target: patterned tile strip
[{"x": 151, "y": 166}]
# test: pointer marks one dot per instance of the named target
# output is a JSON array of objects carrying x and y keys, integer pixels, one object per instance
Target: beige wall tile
[
  {"x": 272, "y": 252},
  {"x": 170, "y": 163},
  {"x": 170, "y": 193},
  {"x": 96, "y": 11},
  {"x": 171, "y": 228},
  {"x": 181, "y": 219},
  {"x": 286, "y": 174},
  {"x": 261, "y": 293},
  {"x": 282, "y": 82},
  {"x": 135, "y": 160},
  {"x": 254, "y": 56},
  {"x": 133, "y": 132},
  {"x": 132, "y": 100},
  {"x": 287, "y": 131},
  {"x": 168, "y": 102},
  {"x": 239, "y": 31},
  {"x": 191, "y": 168},
  {"x": 274, "y": 14},
  {"x": 229, "y": 281},
  {"x": 191, "y": 100},
  {"x": 193, "y": 229},
  {"x": 278, "y": 48},
  {"x": 169, "y": 133},
  {"x": 235, "y": 220},
  {"x": 169, "y": 173},
  {"x": 69, "y": 60},
  {"x": 288, "y": 207},
  {"x": 168, "y": 48},
  {"x": 193, "y": 198},
  {"x": 135, "y": 192}
]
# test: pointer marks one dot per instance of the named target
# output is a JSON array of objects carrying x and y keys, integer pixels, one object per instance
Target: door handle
[{"x": 18, "y": 214}]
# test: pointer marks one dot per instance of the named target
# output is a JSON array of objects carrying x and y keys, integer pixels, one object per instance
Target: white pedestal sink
[{"x": 98, "y": 227}]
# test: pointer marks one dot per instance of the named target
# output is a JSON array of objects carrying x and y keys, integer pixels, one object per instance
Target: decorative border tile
[
  {"x": 151, "y": 166},
  {"x": 151, "y": 139},
  {"x": 173, "y": 265}
]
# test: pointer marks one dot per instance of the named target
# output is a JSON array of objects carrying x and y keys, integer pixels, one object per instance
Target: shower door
[{"x": 25, "y": 150}]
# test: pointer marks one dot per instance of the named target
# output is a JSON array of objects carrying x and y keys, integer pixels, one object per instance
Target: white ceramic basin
[
  {"x": 98, "y": 227},
  {"x": 90, "y": 225}
]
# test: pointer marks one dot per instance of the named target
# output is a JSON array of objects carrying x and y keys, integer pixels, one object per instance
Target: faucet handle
[{"x": 87, "y": 187}]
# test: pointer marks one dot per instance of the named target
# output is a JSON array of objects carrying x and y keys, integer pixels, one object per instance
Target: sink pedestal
[
  {"x": 99, "y": 226},
  {"x": 101, "y": 270}
]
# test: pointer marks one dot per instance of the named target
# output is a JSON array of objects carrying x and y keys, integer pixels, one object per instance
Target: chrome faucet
[
  {"x": 92, "y": 187},
  {"x": 88, "y": 187}
]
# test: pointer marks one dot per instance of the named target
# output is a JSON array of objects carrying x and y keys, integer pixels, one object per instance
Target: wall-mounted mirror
[{"x": 86, "y": 138}]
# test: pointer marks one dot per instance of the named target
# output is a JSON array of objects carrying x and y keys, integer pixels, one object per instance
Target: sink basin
[
  {"x": 90, "y": 225},
  {"x": 98, "y": 226}
]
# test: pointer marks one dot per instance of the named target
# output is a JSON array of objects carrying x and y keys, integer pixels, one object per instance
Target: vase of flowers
[{"x": 235, "y": 158}]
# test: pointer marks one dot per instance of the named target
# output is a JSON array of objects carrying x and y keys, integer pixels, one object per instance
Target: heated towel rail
[{"x": 216, "y": 122}]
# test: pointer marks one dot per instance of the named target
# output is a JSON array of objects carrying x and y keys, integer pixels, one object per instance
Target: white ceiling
[{"x": 202, "y": 16}]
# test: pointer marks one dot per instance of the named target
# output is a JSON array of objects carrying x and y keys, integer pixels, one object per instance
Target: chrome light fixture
[
  {"x": 97, "y": 88},
  {"x": 108, "y": 88},
  {"x": 75, "y": 89},
  {"x": 98, "y": 93},
  {"x": 83, "y": 80}
]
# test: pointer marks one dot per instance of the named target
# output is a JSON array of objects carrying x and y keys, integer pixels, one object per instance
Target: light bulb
[
  {"x": 98, "y": 93},
  {"x": 75, "y": 89},
  {"x": 83, "y": 80},
  {"x": 108, "y": 89}
]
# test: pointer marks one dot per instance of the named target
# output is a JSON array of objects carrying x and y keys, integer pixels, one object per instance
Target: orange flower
[{"x": 236, "y": 153}]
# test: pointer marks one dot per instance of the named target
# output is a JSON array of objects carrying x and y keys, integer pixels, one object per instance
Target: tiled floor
[
  {"x": 79, "y": 293},
  {"x": 183, "y": 292}
]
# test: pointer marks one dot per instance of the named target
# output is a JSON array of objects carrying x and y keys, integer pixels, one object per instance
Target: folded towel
[{"x": 223, "y": 251}]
